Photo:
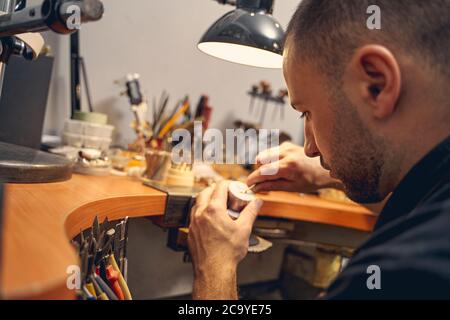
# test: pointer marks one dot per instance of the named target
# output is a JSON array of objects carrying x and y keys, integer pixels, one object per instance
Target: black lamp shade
[{"x": 252, "y": 38}]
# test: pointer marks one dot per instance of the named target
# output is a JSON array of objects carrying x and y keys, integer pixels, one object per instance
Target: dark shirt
[{"x": 411, "y": 240}]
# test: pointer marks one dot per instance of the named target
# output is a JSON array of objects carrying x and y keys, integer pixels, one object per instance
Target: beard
[
  {"x": 324, "y": 164},
  {"x": 358, "y": 157}
]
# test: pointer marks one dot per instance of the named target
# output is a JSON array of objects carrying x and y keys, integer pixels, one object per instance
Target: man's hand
[
  {"x": 296, "y": 172},
  {"x": 217, "y": 243}
]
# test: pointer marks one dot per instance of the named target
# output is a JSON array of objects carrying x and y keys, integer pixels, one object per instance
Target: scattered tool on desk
[
  {"x": 103, "y": 278},
  {"x": 92, "y": 162}
]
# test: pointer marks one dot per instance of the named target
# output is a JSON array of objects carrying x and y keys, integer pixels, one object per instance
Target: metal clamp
[{"x": 179, "y": 203}]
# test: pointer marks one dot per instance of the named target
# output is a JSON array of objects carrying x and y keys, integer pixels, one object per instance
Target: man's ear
[{"x": 375, "y": 74}]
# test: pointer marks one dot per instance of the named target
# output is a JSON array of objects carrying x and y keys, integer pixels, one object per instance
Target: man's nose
[{"x": 311, "y": 149}]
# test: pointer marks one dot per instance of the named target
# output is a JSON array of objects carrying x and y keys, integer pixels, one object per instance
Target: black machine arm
[
  {"x": 266, "y": 5},
  {"x": 21, "y": 16}
]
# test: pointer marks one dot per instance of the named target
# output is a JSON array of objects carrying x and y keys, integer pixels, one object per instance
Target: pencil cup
[{"x": 158, "y": 163}]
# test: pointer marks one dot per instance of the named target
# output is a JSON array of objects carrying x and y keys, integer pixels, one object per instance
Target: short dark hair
[{"x": 326, "y": 32}]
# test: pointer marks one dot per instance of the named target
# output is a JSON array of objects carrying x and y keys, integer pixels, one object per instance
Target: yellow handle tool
[
  {"x": 91, "y": 289},
  {"x": 102, "y": 296},
  {"x": 174, "y": 119},
  {"x": 122, "y": 283}
]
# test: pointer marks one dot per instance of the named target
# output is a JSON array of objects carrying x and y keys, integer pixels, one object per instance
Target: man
[{"x": 377, "y": 113}]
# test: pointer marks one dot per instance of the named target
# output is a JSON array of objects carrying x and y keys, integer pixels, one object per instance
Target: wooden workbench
[{"x": 39, "y": 220}]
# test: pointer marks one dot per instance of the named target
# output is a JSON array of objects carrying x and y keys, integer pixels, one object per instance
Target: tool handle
[
  {"x": 91, "y": 289},
  {"x": 122, "y": 282},
  {"x": 113, "y": 277},
  {"x": 172, "y": 121},
  {"x": 106, "y": 289},
  {"x": 102, "y": 296}
]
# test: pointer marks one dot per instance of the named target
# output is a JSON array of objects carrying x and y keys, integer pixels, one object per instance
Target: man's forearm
[{"x": 220, "y": 285}]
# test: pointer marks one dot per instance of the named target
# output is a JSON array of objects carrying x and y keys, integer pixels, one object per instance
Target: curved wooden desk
[{"x": 40, "y": 219}]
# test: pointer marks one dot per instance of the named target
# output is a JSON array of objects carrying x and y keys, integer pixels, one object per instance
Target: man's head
[{"x": 363, "y": 92}]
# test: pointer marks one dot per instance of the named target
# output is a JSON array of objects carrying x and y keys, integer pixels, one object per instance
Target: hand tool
[
  {"x": 250, "y": 188},
  {"x": 96, "y": 228},
  {"x": 99, "y": 268},
  {"x": 91, "y": 289},
  {"x": 253, "y": 94},
  {"x": 174, "y": 119},
  {"x": 103, "y": 250},
  {"x": 101, "y": 295},
  {"x": 81, "y": 236},
  {"x": 161, "y": 111},
  {"x": 108, "y": 255},
  {"x": 264, "y": 111},
  {"x": 266, "y": 91},
  {"x": 88, "y": 295},
  {"x": 283, "y": 94},
  {"x": 201, "y": 106},
  {"x": 280, "y": 102},
  {"x": 175, "y": 109},
  {"x": 104, "y": 286},
  {"x": 120, "y": 246},
  {"x": 105, "y": 224},
  {"x": 123, "y": 285},
  {"x": 154, "y": 111},
  {"x": 84, "y": 260},
  {"x": 113, "y": 278}
]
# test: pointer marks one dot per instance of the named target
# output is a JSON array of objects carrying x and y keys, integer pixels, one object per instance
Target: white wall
[{"x": 158, "y": 40}]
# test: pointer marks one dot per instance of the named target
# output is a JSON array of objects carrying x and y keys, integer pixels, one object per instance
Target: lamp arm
[
  {"x": 266, "y": 5},
  {"x": 229, "y": 2},
  {"x": 27, "y": 45}
]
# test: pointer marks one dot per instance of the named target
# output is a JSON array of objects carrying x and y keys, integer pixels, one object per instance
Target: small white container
[
  {"x": 74, "y": 127},
  {"x": 98, "y": 130},
  {"x": 73, "y": 140},
  {"x": 88, "y": 129},
  {"x": 81, "y": 134}
]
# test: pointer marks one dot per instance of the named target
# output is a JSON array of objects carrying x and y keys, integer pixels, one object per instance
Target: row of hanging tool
[
  {"x": 263, "y": 94},
  {"x": 104, "y": 262}
]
